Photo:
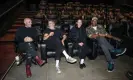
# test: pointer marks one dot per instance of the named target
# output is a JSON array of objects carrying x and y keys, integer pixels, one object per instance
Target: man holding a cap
[{"x": 96, "y": 31}]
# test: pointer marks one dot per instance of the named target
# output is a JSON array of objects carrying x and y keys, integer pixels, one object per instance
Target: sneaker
[
  {"x": 17, "y": 63},
  {"x": 110, "y": 67},
  {"x": 71, "y": 60},
  {"x": 82, "y": 66},
  {"x": 17, "y": 60},
  {"x": 119, "y": 51},
  {"x": 129, "y": 75},
  {"x": 58, "y": 69}
]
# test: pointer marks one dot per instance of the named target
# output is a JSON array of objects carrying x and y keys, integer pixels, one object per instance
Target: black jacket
[
  {"x": 78, "y": 34},
  {"x": 23, "y": 32}
]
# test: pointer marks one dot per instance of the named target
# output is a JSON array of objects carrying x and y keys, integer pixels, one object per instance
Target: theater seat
[
  {"x": 52, "y": 16},
  {"x": 92, "y": 54}
]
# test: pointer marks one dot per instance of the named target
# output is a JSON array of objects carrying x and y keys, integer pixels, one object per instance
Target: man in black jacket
[
  {"x": 78, "y": 36},
  {"x": 25, "y": 38}
]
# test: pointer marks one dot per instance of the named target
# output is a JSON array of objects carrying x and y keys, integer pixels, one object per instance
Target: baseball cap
[{"x": 94, "y": 18}]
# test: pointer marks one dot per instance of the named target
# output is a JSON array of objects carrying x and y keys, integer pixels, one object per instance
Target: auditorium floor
[{"x": 95, "y": 70}]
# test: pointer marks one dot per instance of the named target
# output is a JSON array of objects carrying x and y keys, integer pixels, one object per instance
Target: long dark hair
[{"x": 77, "y": 21}]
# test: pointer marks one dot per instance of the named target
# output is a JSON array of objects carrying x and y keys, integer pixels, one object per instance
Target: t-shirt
[
  {"x": 95, "y": 27},
  {"x": 57, "y": 33},
  {"x": 23, "y": 32}
]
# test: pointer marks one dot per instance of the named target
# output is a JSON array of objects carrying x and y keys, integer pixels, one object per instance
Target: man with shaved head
[
  {"x": 27, "y": 22},
  {"x": 25, "y": 38}
]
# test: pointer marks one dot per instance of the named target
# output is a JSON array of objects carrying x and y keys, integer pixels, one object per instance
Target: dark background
[{"x": 116, "y": 2}]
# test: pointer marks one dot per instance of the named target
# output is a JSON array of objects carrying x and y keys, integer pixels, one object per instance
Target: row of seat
[
  {"x": 72, "y": 13},
  {"x": 43, "y": 2},
  {"x": 117, "y": 28},
  {"x": 110, "y": 18}
]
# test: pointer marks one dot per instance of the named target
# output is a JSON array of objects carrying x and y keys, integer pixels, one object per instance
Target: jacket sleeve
[
  {"x": 89, "y": 32},
  {"x": 72, "y": 34},
  {"x": 102, "y": 30},
  {"x": 35, "y": 37},
  {"x": 84, "y": 36},
  {"x": 61, "y": 33}
]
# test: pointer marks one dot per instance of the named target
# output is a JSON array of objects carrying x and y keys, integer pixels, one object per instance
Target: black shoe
[
  {"x": 129, "y": 75},
  {"x": 110, "y": 67},
  {"x": 82, "y": 66}
]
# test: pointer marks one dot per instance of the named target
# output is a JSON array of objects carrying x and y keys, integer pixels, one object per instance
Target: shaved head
[
  {"x": 27, "y": 22},
  {"x": 27, "y": 19}
]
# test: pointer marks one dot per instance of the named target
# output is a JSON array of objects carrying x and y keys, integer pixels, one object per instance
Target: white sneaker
[
  {"x": 58, "y": 69},
  {"x": 71, "y": 60},
  {"x": 17, "y": 60},
  {"x": 17, "y": 63}
]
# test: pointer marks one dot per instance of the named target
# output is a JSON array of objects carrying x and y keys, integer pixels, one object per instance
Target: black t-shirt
[
  {"x": 23, "y": 32},
  {"x": 57, "y": 33}
]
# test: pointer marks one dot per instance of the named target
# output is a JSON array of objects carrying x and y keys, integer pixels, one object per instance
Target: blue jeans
[
  {"x": 106, "y": 47},
  {"x": 29, "y": 49}
]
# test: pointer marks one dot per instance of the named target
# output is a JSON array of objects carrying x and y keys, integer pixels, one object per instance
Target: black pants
[
  {"x": 55, "y": 44},
  {"x": 29, "y": 49},
  {"x": 83, "y": 50}
]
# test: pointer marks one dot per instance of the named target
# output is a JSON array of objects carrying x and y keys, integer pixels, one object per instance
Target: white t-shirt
[{"x": 95, "y": 27}]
